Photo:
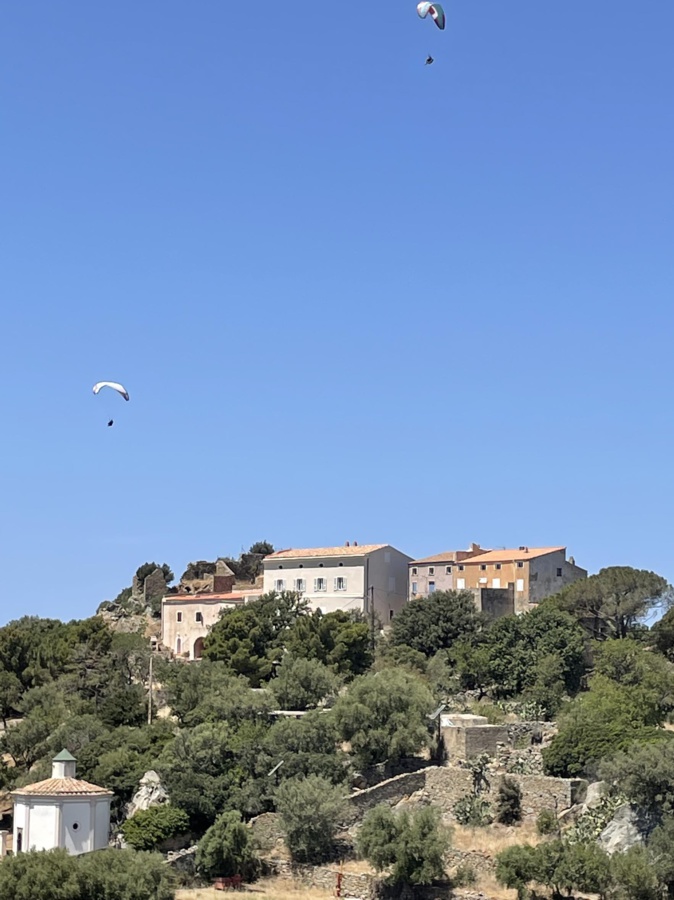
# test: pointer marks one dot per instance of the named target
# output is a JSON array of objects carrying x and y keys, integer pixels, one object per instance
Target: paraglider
[
  {"x": 115, "y": 387},
  {"x": 429, "y": 60},
  {"x": 111, "y": 422},
  {"x": 436, "y": 11}
]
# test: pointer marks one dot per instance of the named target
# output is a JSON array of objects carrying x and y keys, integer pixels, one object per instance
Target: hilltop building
[
  {"x": 62, "y": 812},
  {"x": 352, "y": 577},
  {"x": 503, "y": 581}
]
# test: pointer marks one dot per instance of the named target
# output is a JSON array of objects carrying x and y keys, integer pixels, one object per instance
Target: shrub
[
  {"x": 509, "y": 802},
  {"x": 226, "y": 849},
  {"x": 310, "y": 809},
  {"x": 413, "y": 844},
  {"x": 149, "y": 828},
  {"x": 464, "y": 876},
  {"x": 546, "y": 822},
  {"x": 473, "y": 810}
]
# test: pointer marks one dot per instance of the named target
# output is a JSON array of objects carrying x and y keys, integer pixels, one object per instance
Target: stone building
[
  {"x": 521, "y": 577},
  {"x": 62, "y": 812}
]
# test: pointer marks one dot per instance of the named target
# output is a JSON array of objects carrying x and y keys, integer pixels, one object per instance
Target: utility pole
[
  {"x": 372, "y": 637},
  {"x": 149, "y": 701}
]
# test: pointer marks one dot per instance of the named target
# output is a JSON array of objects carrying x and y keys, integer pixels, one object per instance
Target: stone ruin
[{"x": 204, "y": 577}]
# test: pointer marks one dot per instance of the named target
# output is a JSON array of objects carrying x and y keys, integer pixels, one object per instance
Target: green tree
[
  {"x": 516, "y": 868},
  {"x": 596, "y": 725},
  {"x": 149, "y": 828},
  {"x": 633, "y": 876},
  {"x": 644, "y": 773},
  {"x": 310, "y": 809},
  {"x": 307, "y": 746},
  {"x": 612, "y": 602},
  {"x": 10, "y": 695},
  {"x": 649, "y": 677},
  {"x": 384, "y": 716},
  {"x": 302, "y": 683},
  {"x": 661, "y": 857},
  {"x": 226, "y": 849},
  {"x": 413, "y": 845},
  {"x": 340, "y": 640},
  {"x": 662, "y": 634},
  {"x": 249, "y": 639},
  {"x": 148, "y": 568},
  {"x": 433, "y": 623},
  {"x": 509, "y": 802}
]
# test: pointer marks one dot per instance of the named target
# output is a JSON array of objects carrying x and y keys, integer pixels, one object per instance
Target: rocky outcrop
[
  {"x": 183, "y": 860},
  {"x": 622, "y": 832},
  {"x": 151, "y": 792}
]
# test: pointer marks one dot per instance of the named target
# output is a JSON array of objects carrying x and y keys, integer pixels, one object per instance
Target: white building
[
  {"x": 186, "y": 619},
  {"x": 347, "y": 578},
  {"x": 62, "y": 812}
]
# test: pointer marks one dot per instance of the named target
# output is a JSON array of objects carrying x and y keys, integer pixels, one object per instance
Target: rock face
[
  {"x": 622, "y": 832},
  {"x": 151, "y": 792},
  {"x": 183, "y": 860}
]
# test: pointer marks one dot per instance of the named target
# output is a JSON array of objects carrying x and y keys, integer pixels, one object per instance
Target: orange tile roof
[
  {"x": 61, "y": 787},
  {"x": 450, "y": 556},
  {"x": 358, "y": 550},
  {"x": 205, "y": 597},
  {"x": 506, "y": 556}
]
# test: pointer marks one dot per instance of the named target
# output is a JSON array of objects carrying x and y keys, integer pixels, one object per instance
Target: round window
[{"x": 75, "y": 826}]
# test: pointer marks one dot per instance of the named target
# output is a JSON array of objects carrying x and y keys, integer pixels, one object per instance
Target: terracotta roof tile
[
  {"x": 450, "y": 556},
  {"x": 60, "y": 786},
  {"x": 506, "y": 556},
  {"x": 205, "y": 597},
  {"x": 358, "y": 550}
]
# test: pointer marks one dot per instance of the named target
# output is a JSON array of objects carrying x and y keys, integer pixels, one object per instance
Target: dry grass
[
  {"x": 267, "y": 889},
  {"x": 490, "y": 887},
  {"x": 495, "y": 838}
]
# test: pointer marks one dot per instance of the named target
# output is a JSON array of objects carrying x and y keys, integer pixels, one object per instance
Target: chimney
[
  {"x": 347, "y": 544},
  {"x": 63, "y": 765},
  {"x": 522, "y": 548},
  {"x": 355, "y": 543},
  {"x": 474, "y": 548}
]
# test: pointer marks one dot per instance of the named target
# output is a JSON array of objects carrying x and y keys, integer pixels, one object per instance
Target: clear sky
[{"x": 352, "y": 296}]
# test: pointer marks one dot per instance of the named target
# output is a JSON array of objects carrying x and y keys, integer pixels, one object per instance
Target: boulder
[
  {"x": 151, "y": 792},
  {"x": 183, "y": 860},
  {"x": 622, "y": 832},
  {"x": 594, "y": 794}
]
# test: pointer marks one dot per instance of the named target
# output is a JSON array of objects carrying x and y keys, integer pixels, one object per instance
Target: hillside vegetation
[{"x": 582, "y": 658}]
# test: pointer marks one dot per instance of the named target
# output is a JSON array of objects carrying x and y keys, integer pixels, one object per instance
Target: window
[
  {"x": 431, "y": 587},
  {"x": 414, "y": 570},
  {"x": 460, "y": 584},
  {"x": 483, "y": 567},
  {"x": 340, "y": 583},
  {"x": 559, "y": 573},
  {"x": 520, "y": 565},
  {"x": 431, "y": 570},
  {"x": 279, "y": 584},
  {"x": 520, "y": 585},
  {"x": 300, "y": 584},
  {"x": 497, "y": 566},
  {"x": 391, "y": 583},
  {"x": 320, "y": 584},
  {"x": 178, "y": 645},
  {"x": 448, "y": 570},
  {"x": 414, "y": 587},
  {"x": 390, "y": 614},
  {"x": 179, "y": 617},
  {"x": 461, "y": 568},
  {"x": 483, "y": 580},
  {"x": 387, "y": 557},
  {"x": 199, "y": 618},
  {"x": 75, "y": 826},
  {"x": 496, "y": 582}
]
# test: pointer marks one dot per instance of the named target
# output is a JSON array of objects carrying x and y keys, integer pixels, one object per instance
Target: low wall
[
  {"x": 391, "y": 792},
  {"x": 327, "y": 878}
]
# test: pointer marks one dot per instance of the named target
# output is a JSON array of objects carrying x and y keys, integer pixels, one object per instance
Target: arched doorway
[
  {"x": 178, "y": 646},
  {"x": 199, "y": 648}
]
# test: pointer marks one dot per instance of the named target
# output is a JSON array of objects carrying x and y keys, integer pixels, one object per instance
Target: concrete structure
[
  {"x": 62, "y": 812},
  {"x": 466, "y": 736},
  {"x": 530, "y": 574},
  {"x": 351, "y": 577},
  {"x": 187, "y": 618}
]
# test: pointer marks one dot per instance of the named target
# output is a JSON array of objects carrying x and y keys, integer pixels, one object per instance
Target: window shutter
[
  {"x": 343, "y": 584},
  {"x": 315, "y": 584},
  {"x": 336, "y": 587}
]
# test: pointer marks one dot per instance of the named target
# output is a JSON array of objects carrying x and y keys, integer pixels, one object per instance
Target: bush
[
  {"x": 547, "y": 823},
  {"x": 414, "y": 844},
  {"x": 509, "y": 802},
  {"x": 310, "y": 809},
  {"x": 516, "y": 867},
  {"x": 226, "y": 850},
  {"x": 464, "y": 876},
  {"x": 303, "y": 683},
  {"x": 473, "y": 810},
  {"x": 149, "y": 828},
  {"x": 633, "y": 875},
  {"x": 105, "y": 875}
]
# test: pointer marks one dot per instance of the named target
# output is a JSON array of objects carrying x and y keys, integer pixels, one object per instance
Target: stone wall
[
  {"x": 467, "y": 743},
  {"x": 327, "y": 878},
  {"x": 391, "y": 791}
]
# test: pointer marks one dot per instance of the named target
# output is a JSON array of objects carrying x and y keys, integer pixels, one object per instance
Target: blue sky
[{"x": 352, "y": 296}]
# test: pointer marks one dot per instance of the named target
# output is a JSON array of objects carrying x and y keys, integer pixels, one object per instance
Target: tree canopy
[{"x": 436, "y": 622}]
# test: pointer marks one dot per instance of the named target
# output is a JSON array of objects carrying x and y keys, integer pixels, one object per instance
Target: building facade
[
  {"x": 62, "y": 812},
  {"x": 186, "y": 619},
  {"x": 529, "y": 574},
  {"x": 364, "y": 578}
]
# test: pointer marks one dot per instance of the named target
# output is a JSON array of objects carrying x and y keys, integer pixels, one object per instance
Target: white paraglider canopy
[
  {"x": 436, "y": 11},
  {"x": 114, "y": 386}
]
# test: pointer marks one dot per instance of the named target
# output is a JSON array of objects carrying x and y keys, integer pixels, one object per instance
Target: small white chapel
[{"x": 62, "y": 812}]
